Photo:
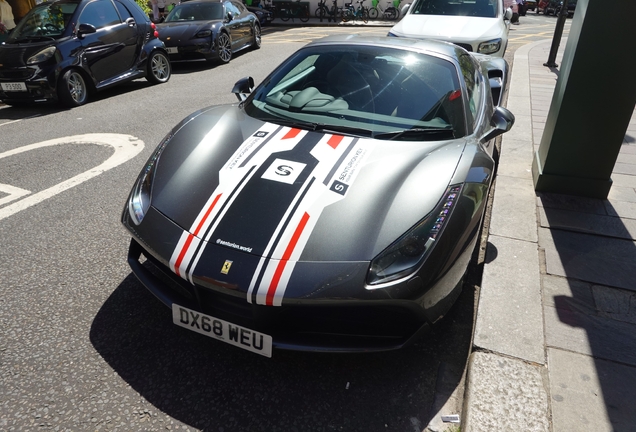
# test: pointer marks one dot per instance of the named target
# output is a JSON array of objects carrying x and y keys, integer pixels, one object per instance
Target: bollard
[{"x": 556, "y": 39}]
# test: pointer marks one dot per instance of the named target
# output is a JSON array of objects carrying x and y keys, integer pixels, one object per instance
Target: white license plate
[
  {"x": 172, "y": 50},
  {"x": 216, "y": 328},
  {"x": 13, "y": 86}
]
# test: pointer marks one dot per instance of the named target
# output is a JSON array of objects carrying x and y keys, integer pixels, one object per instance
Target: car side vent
[
  {"x": 147, "y": 38},
  {"x": 495, "y": 77}
]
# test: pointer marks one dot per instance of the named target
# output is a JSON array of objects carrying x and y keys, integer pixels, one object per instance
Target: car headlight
[
  {"x": 139, "y": 201},
  {"x": 406, "y": 255},
  {"x": 41, "y": 56},
  {"x": 203, "y": 33},
  {"x": 489, "y": 47},
  {"x": 391, "y": 35}
]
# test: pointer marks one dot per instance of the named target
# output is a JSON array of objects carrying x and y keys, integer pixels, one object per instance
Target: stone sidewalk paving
[{"x": 555, "y": 338}]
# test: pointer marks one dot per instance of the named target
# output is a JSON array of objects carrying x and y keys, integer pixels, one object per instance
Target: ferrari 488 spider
[{"x": 335, "y": 207}]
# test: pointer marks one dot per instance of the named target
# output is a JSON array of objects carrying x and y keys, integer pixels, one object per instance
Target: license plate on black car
[
  {"x": 222, "y": 330},
  {"x": 13, "y": 86}
]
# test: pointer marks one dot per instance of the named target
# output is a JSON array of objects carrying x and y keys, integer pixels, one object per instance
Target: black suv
[{"x": 65, "y": 49}]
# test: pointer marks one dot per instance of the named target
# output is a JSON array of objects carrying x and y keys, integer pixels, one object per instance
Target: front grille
[
  {"x": 16, "y": 74},
  {"x": 467, "y": 47},
  {"x": 343, "y": 319}
]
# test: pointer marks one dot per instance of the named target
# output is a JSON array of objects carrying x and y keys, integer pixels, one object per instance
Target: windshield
[
  {"x": 196, "y": 12},
  {"x": 375, "y": 91},
  {"x": 476, "y": 8},
  {"x": 44, "y": 21}
]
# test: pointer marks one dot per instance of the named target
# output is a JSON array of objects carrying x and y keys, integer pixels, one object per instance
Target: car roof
[{"x": 421, "y": 45}]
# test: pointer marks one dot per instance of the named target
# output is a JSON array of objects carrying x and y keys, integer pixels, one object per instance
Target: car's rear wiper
[{"x": 415, "y": 134}]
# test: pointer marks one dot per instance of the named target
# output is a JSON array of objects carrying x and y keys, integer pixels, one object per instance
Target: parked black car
[
  {"x": 63, "y": 50},
  {"x": 264, "y": 16},
  {"x": 209, "y": 30}
]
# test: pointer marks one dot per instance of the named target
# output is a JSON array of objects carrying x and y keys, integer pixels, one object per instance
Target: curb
[{"x": 506, "y": 381}]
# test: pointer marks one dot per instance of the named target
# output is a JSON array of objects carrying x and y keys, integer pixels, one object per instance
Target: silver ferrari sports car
[{"x": 335, "y": 207}]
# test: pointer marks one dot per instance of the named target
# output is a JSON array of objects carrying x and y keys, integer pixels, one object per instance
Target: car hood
[
  {"x": 183, "y": 30},
  {"x": 457, "y": 29},
  {"x": 16, "y": 54},
  {"x": 245, "y": 184}
]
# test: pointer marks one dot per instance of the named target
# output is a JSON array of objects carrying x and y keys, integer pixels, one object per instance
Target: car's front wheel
[
  {"x": 72, "y": 90},
  {"x": 224, "y": 48},
  {"x": 256, "y": 43},
  {"x": 158, "y": 68}
]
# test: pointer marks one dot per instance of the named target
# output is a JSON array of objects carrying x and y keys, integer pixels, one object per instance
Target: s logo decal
[{"x": 284, "y": 171}]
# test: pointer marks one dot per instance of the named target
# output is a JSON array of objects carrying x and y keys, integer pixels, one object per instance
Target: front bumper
[
  {"x": 342, "y": 325},
  {"x": 40, "y": 84}
]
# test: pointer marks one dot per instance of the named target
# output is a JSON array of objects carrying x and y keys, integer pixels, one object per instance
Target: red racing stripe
[
  {"x": 269, "y": 299},
  {"x": 188, "y": 242},
  {"x": 207, "y": 213},
  {"x": 293, "y": 132},
  {"x": 334, "y": 141},
  {"x": 177, "y": 264}
]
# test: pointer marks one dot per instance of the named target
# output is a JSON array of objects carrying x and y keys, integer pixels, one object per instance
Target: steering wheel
[{"x": 48, "y": 28}]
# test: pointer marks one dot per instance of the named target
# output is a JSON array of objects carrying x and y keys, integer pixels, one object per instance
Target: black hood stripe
[{"x": 271, "y": 210}]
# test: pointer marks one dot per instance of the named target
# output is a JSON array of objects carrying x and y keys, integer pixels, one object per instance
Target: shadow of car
[
  {"x": 66, "y": 49},
  {"x": 211, "y": 30}
]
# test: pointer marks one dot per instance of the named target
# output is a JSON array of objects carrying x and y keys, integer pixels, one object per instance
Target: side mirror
[
  {"x": 230, "y": 16},
  {"x": 243, "y": 88},
  {"x": 85, "y": 29},
  {"x": 405, "y": 9},
  {"x": 508, "y": 14},
  {"x": 502, "y": 121}
]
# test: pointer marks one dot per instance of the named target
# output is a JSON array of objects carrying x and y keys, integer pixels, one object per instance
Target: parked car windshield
[
  {"x": 196, "y": 12},
  {"x": 375, "y": 91},
  {"x": 476, "y": 8},
  {"x": 45, "y": 21}
]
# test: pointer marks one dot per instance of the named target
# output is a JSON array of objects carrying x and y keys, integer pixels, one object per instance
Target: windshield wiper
[
  {"x": 344, "y": 130},
  {"x": 415, "y": 133}
]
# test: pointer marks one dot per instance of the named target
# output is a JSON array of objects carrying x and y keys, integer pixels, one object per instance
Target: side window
[
  {"x": 240, "y": 6},
  {"x": 230, "y": 7},
  {"x": 124, "y": 13},
  {"x": 473, "y": 85},
  {"x": 100, "y": 13}
]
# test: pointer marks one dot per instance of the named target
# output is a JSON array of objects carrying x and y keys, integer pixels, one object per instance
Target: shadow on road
[{"x": 213, "y": 386}]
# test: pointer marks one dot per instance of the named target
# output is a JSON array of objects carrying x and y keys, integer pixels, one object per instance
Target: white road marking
[
  {"x": 13, "y": 193},
  {"x": 126, "y": 147}
]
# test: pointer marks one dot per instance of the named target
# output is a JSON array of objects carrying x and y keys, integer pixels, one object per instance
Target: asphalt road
[{"x": 83, "y": 346}]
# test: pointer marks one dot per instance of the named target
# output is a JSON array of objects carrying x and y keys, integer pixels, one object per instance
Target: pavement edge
[{"x": 507, "y": 379}]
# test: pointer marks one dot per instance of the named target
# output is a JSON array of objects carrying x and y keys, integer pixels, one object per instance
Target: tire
[
  {"x": 390, "y": 14},
  {"x": 71, "y": 89},
  {"x": 284, "y": 15},
  {"x": 256, "y": 41},
  {"x": 373, "y": 13},
  {"x": 224, "y": 48},
  {"x": 346, "y": 15},
  {"x": 365, "y": 16},
  {"x": 303, "y": 15},
  {"x": 158, "y": 68},
  {"x": 321, "y": 12}
]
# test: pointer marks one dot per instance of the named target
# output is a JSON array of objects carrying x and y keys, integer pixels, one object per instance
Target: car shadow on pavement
[
  {"x": 589, "y": 312},
  {"x": 209, "y": 385}
]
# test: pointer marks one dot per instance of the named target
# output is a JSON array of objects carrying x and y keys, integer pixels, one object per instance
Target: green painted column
[{"x": 593, "y": 101}]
